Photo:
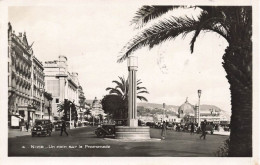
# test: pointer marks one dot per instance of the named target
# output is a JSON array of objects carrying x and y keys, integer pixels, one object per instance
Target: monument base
[
  {"x": 126, "y": 132},
  {"x": 133, "y": 122}
]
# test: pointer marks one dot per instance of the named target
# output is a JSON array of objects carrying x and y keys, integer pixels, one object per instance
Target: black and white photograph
[{"x": 132, "y": 79}]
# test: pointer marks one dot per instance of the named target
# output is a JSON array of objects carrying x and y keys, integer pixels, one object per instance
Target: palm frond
[
  {"x": 139, "y": 88},
  {"x": 158, "y": 33},
  {"x": 115, "y": 91},
  {"x": 138, "y": 92},
  {"x": 147, "y": 13},
  {"x": 139, "y": 82},
  {"x": 142, "y": 98},
  {"x": 207, "y": 22},
  {"x": 109, "y": 88}
]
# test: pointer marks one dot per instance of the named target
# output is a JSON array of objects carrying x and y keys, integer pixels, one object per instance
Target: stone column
[{"x": 132, "y": 107}]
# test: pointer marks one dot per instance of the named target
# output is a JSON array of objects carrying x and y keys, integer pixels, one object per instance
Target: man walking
[
  {"x": 192, "y": 127},
  {"x": 27, "y": 126},
  {"x": 203, "y": 129},
  {"x": 63, "y": 128},
  {"x": 163, "y": 130}
]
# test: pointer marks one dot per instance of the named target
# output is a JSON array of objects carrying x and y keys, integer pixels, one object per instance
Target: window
[{"x": 57, "y": 100}]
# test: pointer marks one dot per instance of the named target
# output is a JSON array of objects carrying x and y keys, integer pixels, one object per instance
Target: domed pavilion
[
  {"x": 187, "y": 112},
  {"x": 96, "y": 109}
]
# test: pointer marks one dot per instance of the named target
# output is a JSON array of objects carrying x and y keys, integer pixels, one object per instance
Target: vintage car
[
  {"x": 209, "y": 129},
  {"x": 57, "y": 125},
  {"x": 42, "y": 127},
  {"x": 105, "y": 130}
]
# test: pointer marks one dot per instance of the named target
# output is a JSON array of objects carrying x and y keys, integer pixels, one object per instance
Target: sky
[{"x": 92, "y": 35}]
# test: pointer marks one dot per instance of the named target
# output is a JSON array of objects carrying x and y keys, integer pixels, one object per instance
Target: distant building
[
  {"x": 189, "y": 113},
  {"x": 82, "y": 104},
  {"x": 96, "y": 108},
  {"x": 61, "y": 83}
]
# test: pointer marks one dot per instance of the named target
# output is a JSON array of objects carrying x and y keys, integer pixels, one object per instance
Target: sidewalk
[
  {"x": 17, "y": 132},
  {"x": 225, "y": 133}
]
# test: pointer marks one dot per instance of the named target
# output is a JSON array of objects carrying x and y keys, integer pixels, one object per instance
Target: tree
[
  {"x": 114, "y": 106},
  {"x": 87, "y": 112},
  {"x": 116, "y": 102},
  {"x": 233, "y": 24},
  {"x": 65, "y": 108}
]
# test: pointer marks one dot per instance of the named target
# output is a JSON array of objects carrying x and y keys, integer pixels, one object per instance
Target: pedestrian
[
  {"x": 163, "y": 134},
  {"x": 203, "y": 129},
  {"x": 75, "y": 124},
  {"x": 192, "y": 128},
  {"x": 63, "y": 128},
  {"x": 27, "y": 126}
]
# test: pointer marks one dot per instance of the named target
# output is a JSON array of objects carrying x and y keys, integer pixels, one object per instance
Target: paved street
[{"x": 177, "y": 144}]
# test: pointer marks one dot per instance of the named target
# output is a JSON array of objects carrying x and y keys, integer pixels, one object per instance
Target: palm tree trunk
[{"x": 238, "y": 65}]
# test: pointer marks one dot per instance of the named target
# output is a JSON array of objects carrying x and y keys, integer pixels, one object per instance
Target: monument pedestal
[
  {"x": 133, "y": 122},
  {"x": 132, "y": 133}
]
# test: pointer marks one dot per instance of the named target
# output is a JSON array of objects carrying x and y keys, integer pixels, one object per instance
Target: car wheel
[
  {"x": 100, "y": 134},
  {"x": 32, "y": 135},
  {"x": 110, "y": 130}
]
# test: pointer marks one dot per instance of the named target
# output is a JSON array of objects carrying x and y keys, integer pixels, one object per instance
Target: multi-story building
[
  {"x": 61, "y": 83},
  {"x": 82, "y": 104},
  {"x": 37, "y": 88},
  {"x": 19, "y": 75},
  {"x": 25, "y": 78}
]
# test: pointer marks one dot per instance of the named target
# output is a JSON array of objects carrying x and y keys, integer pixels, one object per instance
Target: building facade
[
  {"x": 96, "y": 109},
  {"x": 47, "y": 109},
  {"x": 61, "y": 83},
  {"x": 25, "y": 79},
  {"x": 37, "y": 88}
]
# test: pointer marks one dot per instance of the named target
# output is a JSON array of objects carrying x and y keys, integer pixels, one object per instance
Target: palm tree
[
  {"x": 233, "y": 24},
  {"x": 121, "y": 90},
  {"x": 88, "y": 113}
]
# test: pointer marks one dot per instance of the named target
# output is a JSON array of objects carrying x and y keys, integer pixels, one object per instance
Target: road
[{"x": 82, "y": 142}]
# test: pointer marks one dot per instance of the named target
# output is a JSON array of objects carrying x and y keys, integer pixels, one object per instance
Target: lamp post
[
  {"x": 163, "y": 111},
  {"x": 132, "y": 63},
  {"x": 70, "y": 115},
  {"x": 199, "y": 94},
  {"x": 42, "y": 93}
]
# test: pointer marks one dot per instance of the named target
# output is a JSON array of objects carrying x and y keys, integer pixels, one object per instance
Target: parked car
[
  {"x": 209, "y": 129},
  {"x": 57, "y": 125},
  {"x": 85, "y": 123},
  {"x": 105, "y": 130},
  {"x": 170, "y": 126},
  {"x": 150, "y": 124},
  {"x": 42, "y": 127}
]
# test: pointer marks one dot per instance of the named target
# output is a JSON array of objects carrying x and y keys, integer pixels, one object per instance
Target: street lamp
[
  {"x": 132, "y": 63},
  {"x": 199, "y": 94},
  {"x": 42, "y": 93},
  {"x": 70, "y": 115},
  {"x": 163, "y": 111}
]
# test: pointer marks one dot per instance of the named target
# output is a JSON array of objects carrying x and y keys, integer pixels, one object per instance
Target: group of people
[{"x": 192, "y": 129}]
